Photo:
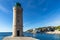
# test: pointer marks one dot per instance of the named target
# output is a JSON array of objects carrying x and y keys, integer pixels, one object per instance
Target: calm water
[{"x": 39, "y": 36}]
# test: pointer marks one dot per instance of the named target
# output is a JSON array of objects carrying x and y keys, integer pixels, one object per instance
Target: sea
[{"x": 39, "y": 36}]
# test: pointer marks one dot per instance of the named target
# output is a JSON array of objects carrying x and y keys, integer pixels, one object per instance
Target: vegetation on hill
[
  {"x": 44, "y": 29},
  {"x": 57, "y": 28}
]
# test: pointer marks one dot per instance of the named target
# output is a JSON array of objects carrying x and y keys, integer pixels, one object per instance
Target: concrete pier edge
[{"x": 19, "y": 38}]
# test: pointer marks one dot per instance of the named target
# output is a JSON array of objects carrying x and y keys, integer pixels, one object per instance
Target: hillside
[{"x": 44, "y": 29}]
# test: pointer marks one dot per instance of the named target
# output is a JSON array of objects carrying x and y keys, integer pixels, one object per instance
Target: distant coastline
[{"x": 48, "y": 30}]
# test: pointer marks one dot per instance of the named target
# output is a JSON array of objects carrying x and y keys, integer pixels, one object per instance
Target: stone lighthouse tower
[
  {"x": 18, "y": 25},
  {"x": 17, "y": 20}
]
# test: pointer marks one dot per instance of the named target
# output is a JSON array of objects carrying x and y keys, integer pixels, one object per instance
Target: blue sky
[{"x": 36, "y": 13}]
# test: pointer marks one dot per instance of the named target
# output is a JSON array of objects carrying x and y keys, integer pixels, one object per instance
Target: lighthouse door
[{"x": 18, "y": 33}]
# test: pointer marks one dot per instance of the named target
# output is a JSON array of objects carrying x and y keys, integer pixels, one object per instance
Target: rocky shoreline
[{"x": 54, "y": 32}]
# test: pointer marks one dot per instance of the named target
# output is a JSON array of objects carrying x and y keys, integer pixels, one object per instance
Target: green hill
[{"x": 44, "y": 29}]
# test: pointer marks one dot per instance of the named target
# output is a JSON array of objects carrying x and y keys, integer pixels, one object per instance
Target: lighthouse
[
  {"x": 17, "y": 33},
  {"x": 17, "y": 20}
]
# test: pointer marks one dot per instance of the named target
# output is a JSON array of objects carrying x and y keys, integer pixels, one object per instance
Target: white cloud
[
  {"x": 40, "y": 24},
  {"x": 5, "y": 29},
  {"x": 2, "y": 8},
  {"x": 34, "y": 3},
  {"x": 54, "y": 23},
  {"x": 28, "y": 26}
]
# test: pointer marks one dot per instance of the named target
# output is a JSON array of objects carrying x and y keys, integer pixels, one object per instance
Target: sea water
[{"x": 40, "y": 36}]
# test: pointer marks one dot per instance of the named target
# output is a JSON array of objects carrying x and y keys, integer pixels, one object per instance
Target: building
[
  {"x": 18, "y": 25},
  {"x": 17, "y": 20}
]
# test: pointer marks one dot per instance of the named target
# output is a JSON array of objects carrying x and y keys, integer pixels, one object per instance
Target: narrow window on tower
[{"x": 18, "y": 21}]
